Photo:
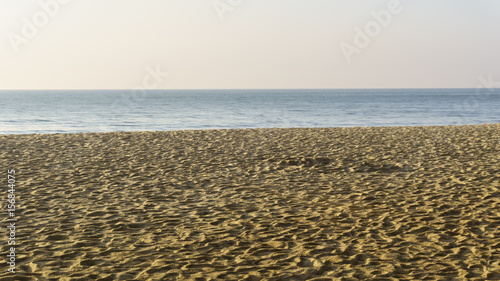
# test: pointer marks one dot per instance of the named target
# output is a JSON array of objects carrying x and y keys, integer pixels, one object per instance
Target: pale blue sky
[{"x": 104, "y": 44}]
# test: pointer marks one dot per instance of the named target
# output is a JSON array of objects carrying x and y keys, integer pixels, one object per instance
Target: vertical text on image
[{"x": 11, "y": 220}]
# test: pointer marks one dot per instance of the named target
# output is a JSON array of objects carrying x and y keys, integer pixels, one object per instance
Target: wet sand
[{"x": 394, "y": 203}]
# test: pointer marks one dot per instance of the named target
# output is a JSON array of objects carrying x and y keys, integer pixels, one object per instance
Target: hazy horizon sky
[{"x": 252, "y": 44}]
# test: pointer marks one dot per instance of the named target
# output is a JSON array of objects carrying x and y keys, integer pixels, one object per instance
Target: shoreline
[
  {"x": 338, "y": 203},
  {"x": 273, "y": 128}
]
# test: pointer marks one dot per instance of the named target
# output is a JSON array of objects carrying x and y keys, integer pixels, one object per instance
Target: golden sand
[{"x": 405, "y": 203}]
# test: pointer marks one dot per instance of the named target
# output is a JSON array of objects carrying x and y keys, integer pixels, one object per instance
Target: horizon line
[{"x": 237, "y": 89}]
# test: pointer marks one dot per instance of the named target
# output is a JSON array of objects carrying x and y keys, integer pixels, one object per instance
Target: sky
[{"x": 243, "y": 44}]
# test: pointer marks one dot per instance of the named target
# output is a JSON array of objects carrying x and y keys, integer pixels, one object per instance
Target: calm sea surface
[{"x": 24, "y": 112}]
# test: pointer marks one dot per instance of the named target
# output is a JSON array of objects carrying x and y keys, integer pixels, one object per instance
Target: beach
[{"x": 373, "y": 203}]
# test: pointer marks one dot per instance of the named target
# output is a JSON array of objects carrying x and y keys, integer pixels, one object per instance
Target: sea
[{"x": 77, "y": 111}]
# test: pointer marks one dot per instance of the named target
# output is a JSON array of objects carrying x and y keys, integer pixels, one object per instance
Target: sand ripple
[{"x": 418, "y": 203}]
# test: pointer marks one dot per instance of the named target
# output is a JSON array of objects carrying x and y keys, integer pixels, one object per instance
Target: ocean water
[{"x": 26, "y": 112}]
